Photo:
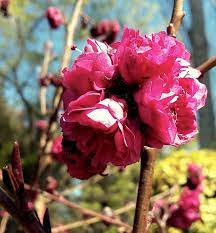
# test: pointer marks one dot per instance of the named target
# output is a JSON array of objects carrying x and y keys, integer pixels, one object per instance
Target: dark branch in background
[
  {"x": 176, "y": 19},
  {"x": 26, "y": 220},
  {"x": 207, "y": 65},
  {"x": 18, "y": 207}
]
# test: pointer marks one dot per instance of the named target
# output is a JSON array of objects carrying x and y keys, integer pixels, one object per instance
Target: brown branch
[
  {"x": 45, "y": 148},
  {"x": 67, "y": 49},
  {"x": 207, "y": 65},
  {"x": 116, "y": 212},
  {"x": 4, "y": 222},
  {"x": 44, "y": 70},
  {"x": 176, "y": 19},
  {"x": 82, "y": 185},
  {"x": 59, "y": 198},
  {"x": 141, "y": 220},
  {"x": 93, "y": 220},
  {"x": 26, "y": 219}
]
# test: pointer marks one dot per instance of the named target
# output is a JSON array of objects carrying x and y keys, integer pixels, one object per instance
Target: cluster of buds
[
  {"x": 106, "y": 30},
  {"x": 53, "y": 79},
  {"x": 141, "y": 91},
  {"x": 54, "y": 17},
  {"x": 42, "y": 125},
  {"x": 22, "y": 203},
  {"x": 4, "y": 4},
  {"x": 186, "y": 211}
]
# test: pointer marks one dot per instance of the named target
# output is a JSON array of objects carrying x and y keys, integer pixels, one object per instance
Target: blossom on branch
[
  {"x": 92, "y": 70},
  {"x": 4, "y": 5},
  {"x": 106, "y": 30},
  {"x": 140, "y": 91},
  {"x": 54, "y": 17}
]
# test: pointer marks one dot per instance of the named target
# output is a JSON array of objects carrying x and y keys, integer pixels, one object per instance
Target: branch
[
  {"x": 26, "y": 219},
  {"x": 44, "y": 70},
  {"x": 176, "y": 19},
  {"x": 207, "y": 65},
  {"x": 67, "y": 49},
  {"x": 141, "y": 220},
  {"x": 59, "y": 198},
  {"x": 4, "y": 222},
  {"x": 116, "y": 212},
  {"x": 93, "y": 220},
  {"x": 45, "y": 148}
]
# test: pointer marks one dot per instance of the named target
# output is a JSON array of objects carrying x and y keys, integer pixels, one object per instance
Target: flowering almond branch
[{"x": 141, "y": 219}]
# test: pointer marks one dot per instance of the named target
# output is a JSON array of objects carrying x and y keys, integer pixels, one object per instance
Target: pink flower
[
  {"x": 92, "y": 70},
  {"x": 42, "y": 124},
  {"x": 54, "y": 17},
  {"x": 56, "y": 149},
  {"x": 167, "y": 105},
  {"x": 4, "y": 4},
  {"x": 100, "y": 128},
  {"x": 106, "y": 30},
  {"x": 195, "y": 176},
  {"x": 79, "y": 165},
  {"x": 187, "y": 211},
  {"x": 140, "y": 57}
]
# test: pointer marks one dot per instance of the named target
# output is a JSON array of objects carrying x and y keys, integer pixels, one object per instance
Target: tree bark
[{"x": 199, "y": 44}]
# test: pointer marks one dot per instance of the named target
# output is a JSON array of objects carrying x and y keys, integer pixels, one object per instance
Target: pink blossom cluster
[
  {"x": 41, "y": 124},
  {"x": 4, "y": 5},
  {"x": 106, "y": 30},
  {"x": 54, "y": 17},
  {"x": 139, "y": 91},
  {"x": 187, "y": 209}
]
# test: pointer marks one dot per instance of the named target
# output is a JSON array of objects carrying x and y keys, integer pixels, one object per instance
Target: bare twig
[
  {"x": 116, "y": 212},
  {"x": 176, "y": 19},
  {"x": 144, "y": 191},
  {"x": 82, "y": 185},
  {"x": 45, "y": 149},
  {"x": 4, "y": 221},
  {"x": 67, "y": 49},
  {"x": 93, "y": 220},
  {"x": 207, "y": 65},
  {"x": 59, "y": 198},
  {"x": 44, "y": 71}
]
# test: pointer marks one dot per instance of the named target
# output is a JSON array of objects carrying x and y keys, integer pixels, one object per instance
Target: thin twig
[
  {"x": 116, "y": 212},
  {"x": 144, "y": 191},
  {"x": 44, "y": 71},
  {"x": 207, "y": 65},
  {"x": 82, "y": 185},
  {"x": 70, "y": 31},
  {"x": 176, "y": 19},
  {"x": 4, "y": 221},
  {"x": 68, "y": 43},
  {"x": 61, "y": 199},
  {"x": 90, "y": 221}
]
